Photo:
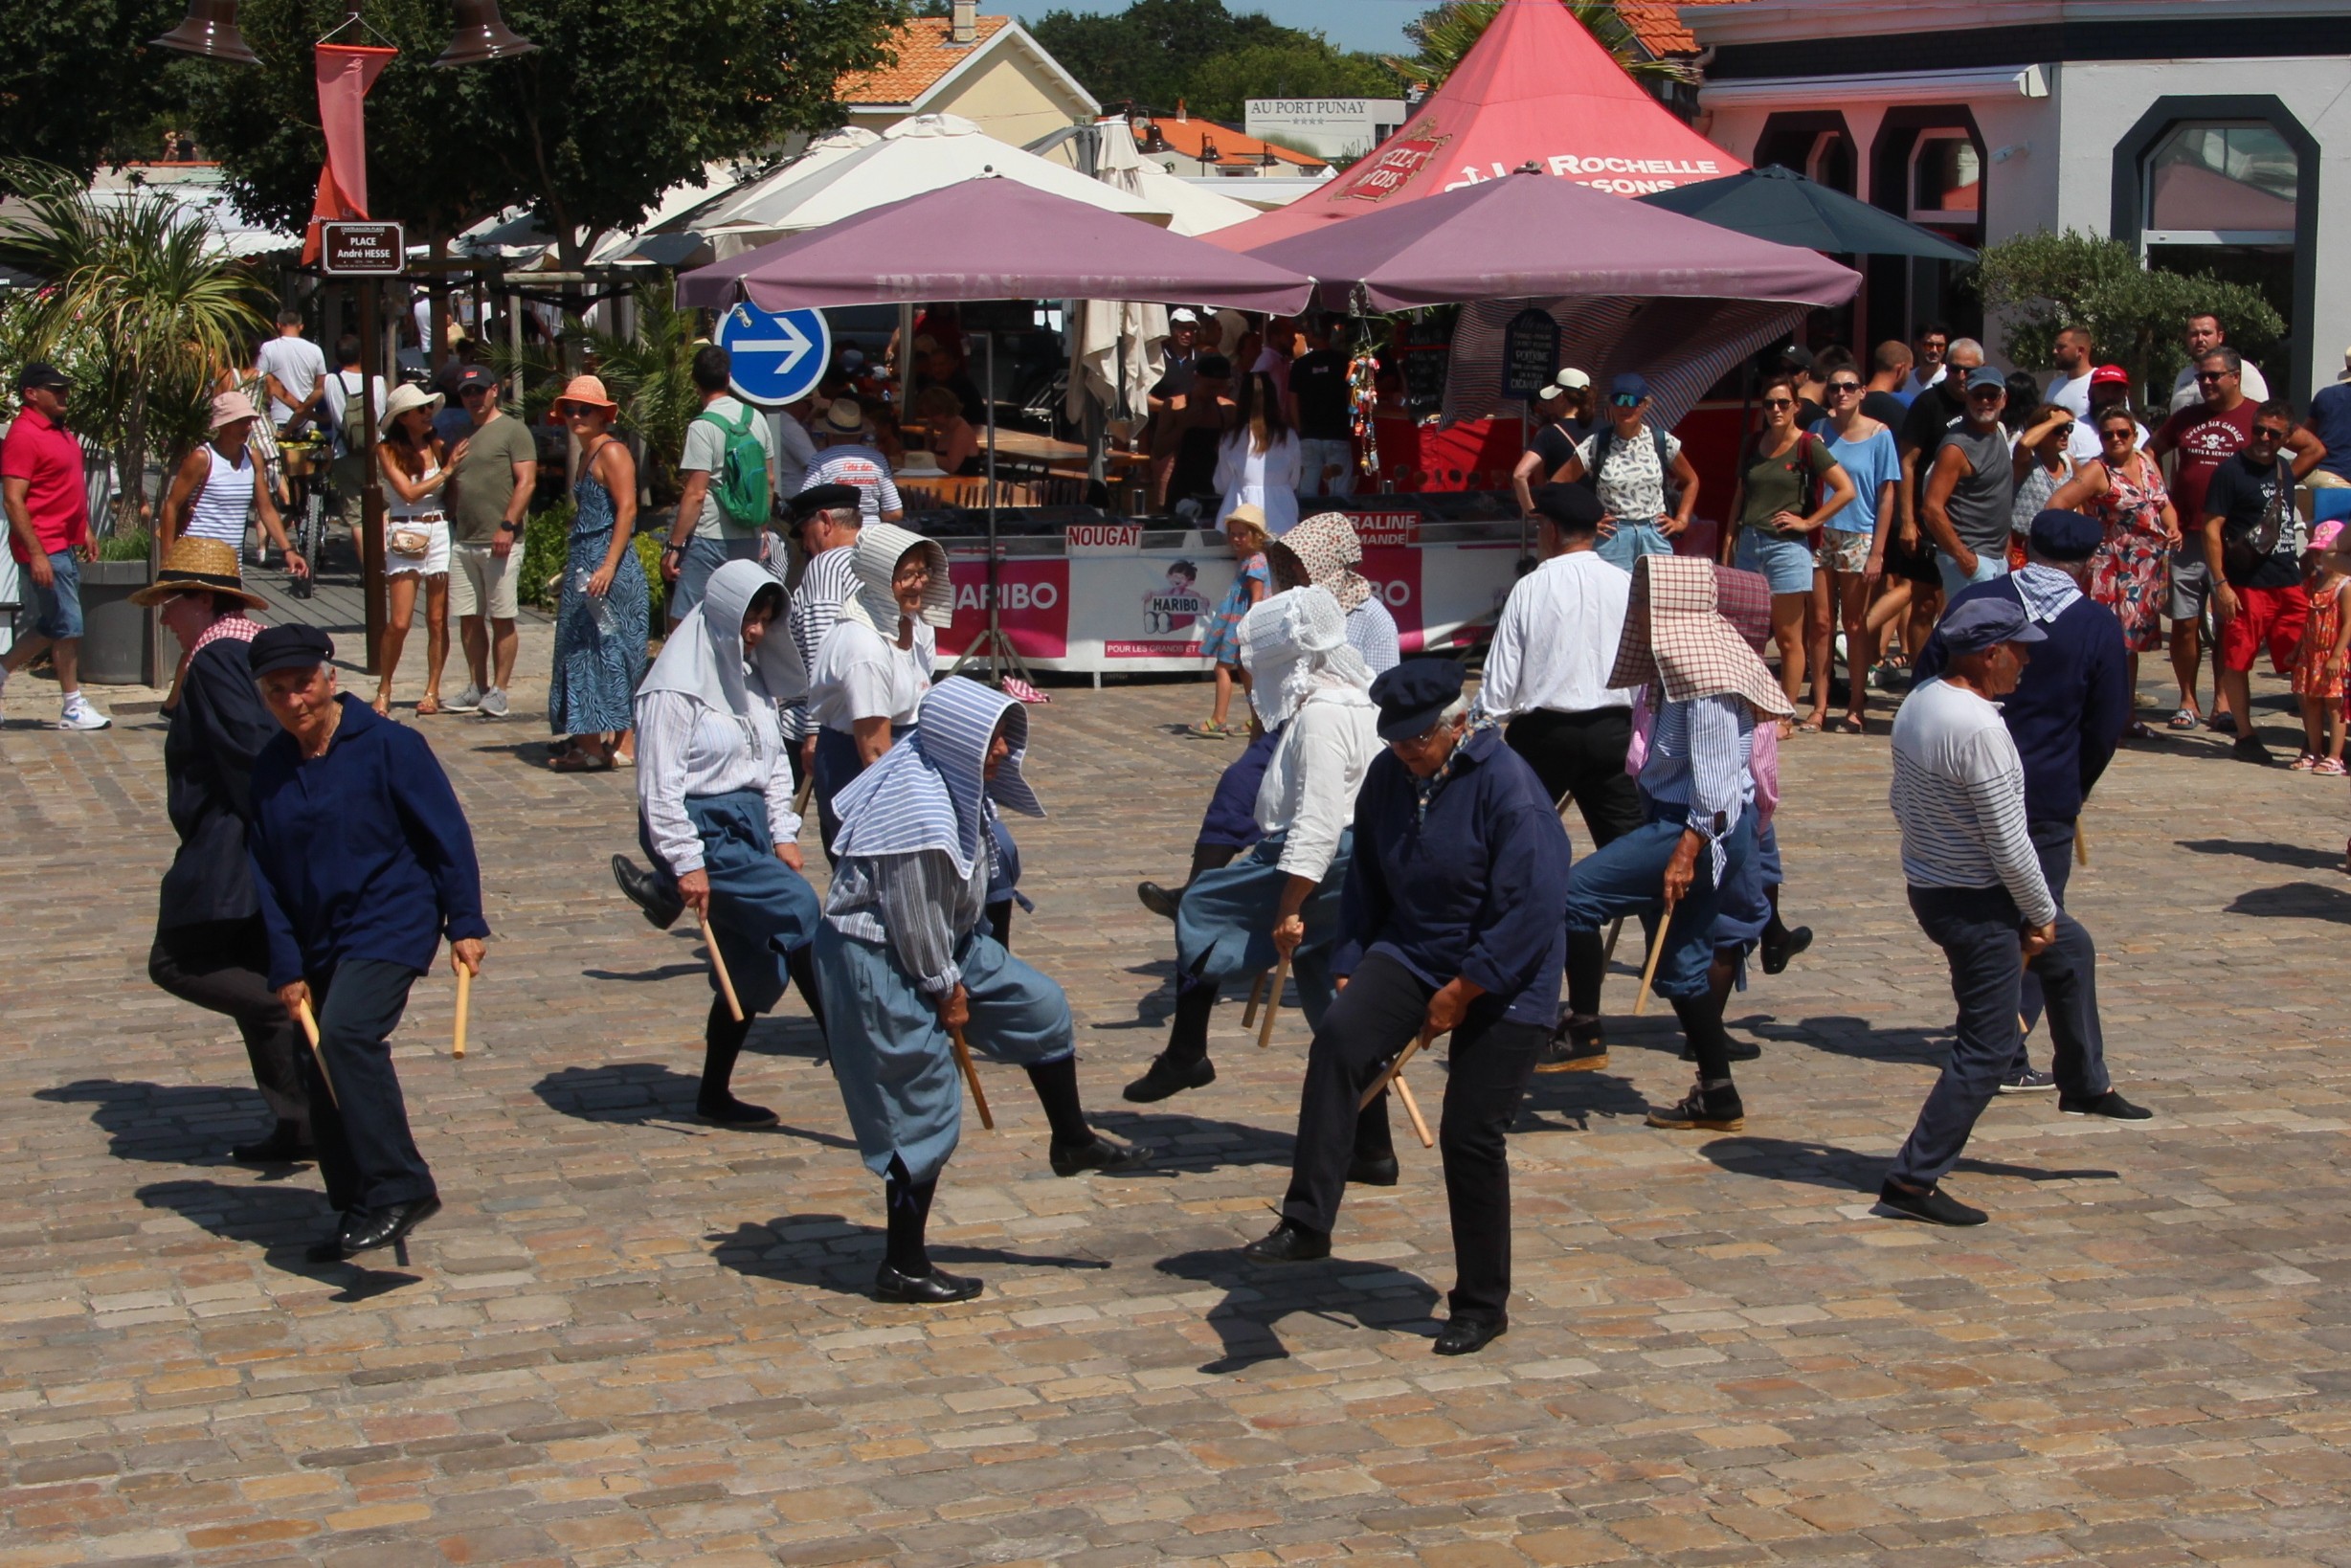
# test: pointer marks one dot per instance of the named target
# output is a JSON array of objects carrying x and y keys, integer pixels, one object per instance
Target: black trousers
[
  {"x": 2053, "y": 845},
  {"x": 1582, "y": 755},
  {"x": 367, "y": 1153},
  {"x": 1376, "y": 1016},
  {"x": 222, "y": 965}
]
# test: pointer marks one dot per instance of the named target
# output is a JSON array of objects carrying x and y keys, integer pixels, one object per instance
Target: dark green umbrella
[{"x": 1779, "y": 204}]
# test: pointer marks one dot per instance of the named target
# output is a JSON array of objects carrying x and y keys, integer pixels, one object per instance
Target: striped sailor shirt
[{"x": 1959, "y": 795}]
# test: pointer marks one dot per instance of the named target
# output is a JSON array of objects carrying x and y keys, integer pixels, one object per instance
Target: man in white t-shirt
[
  {"x": 291, "y": 367},
  {"x": 1927, "y": 350},
  {"x": 2203, "y": 335},
  {"x": 2071, "y": 355},
  {"x": 2108, "y": 384},
  {"x": 705, "y": 536}
]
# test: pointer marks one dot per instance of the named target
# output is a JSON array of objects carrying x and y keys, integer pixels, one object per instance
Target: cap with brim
[
  {"x": 42, "y": 375},
  {"x": 1572, "y": 507},
  {"x": 1979, "y": 623},
  {"x": 1183, "y": 314},
  {"x": 1628, "y": 389},
  {"x": 476, "y": 376},
  {"x": 822, "y": 498},
  {"x": 288, "y": 648},
  {"x": 229, "y": 406},
  {"x": 1413, "y": 694},
  {"x": 200, "y": 566},
  {"x": 1985, "y": 376},
  {"x": 2059, "y": 535},
  {"x": 2110, "y": 375}
]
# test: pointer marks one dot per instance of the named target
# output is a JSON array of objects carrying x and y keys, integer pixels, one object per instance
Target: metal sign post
[{"x": 368, "y": 253}]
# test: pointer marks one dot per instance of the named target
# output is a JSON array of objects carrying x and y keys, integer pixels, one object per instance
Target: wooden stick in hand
[
  {"x": 310, "y": 1030},
  {"x": 970, "y": 1076},
  {"x": 718, "y": 966},
  {"x": 1257, "y": 993},
  {"x": 465, "y": 1003},
  {"x": 1412, "y": 1109},
  {"x": 1273, "y": 1003},
  {"x": 1657, "y": 951},
  {"x": 2081, "y": 846},
  {"x": 1379, "y": 1085}
]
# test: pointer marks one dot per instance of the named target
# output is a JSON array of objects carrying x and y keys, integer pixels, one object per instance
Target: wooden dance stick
[
  {"x": 1257, "y": 991},
  {"x": 1273, "y": 1003},
  {"x": 2081, "y": 846},
  {"x": 970, "y": 1076},
  {"x": 1396, "y": 1068},
  {"x": 465, "y": 1003},
  {"x": 717, "y": 965},
  {"x": 808, "y": 787},
  {"x": 1412, "y": 1109},
  {"x": 311, "y": 1028},
  {"x": 1657, "y": 951}
]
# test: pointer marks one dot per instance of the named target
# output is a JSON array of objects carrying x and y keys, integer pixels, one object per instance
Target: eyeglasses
[
  {"x": 1844, "y": 388},
  {"x": 2121, "y": 432},
  {"x": 2214, "y": 375},
  {"x": 1415, "y": 743},
  {"x": 1780, "y": 402}
]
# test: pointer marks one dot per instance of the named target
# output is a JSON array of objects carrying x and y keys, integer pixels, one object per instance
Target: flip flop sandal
[
  {"x": 426, "y": 705},
  {"x": 581, "y": 762},
  {"x": 2327, "y": 768},
  {"x": 2185, "y": 718},
  {"x": 2302, "y": 764},
  {"x": 2141, "y": 729},
  {"x": 1211, "y": 730}
]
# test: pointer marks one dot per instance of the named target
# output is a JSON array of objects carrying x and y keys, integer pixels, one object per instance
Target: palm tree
[
  {"x": 142, "y": 307},
  {"x": 1447, "y": 33}
]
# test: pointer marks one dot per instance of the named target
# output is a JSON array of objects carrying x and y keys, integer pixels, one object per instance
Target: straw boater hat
[
  {"x": 844, "y": 417},
  {"x": 1249, "y": 514},
  {"x": 1677, "y": 636},
  {"x": 200, "y": 566},
  {"x": 405, "y": 397}
]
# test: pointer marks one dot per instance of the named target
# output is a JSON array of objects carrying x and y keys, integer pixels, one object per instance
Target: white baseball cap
[{"x": 1184, "y": 313}]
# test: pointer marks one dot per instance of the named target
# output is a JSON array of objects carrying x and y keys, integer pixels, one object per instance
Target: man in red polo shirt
[{"x": 49, "y": 534}]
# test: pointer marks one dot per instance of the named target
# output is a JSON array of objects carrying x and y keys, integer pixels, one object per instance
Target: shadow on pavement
[
  {"x": 177, "y": 1124},
  {"x": 1257, "y": 1296},
  {"x": 1567, "y": 1102},
  {"x": 832, "y": 1253},
  {"x": 2269, "y": 854},
  {"x": 282, "y": 1221},
  {"x": 646, "y": 1093},
  {"x": 1185, "y": 1145},
  {"x": 1848, "y": 1035},
  {"x": 1826, "y": 1165},
  {"x": 2294, "y": 901},
  {"x": 646, "y": 976}
]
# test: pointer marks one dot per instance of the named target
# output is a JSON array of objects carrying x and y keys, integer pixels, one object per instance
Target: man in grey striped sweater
[{"x": 1977, "y": 889}]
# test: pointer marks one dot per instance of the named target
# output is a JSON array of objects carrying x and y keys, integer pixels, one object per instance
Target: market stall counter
[{"x": 1085, "y": 592}]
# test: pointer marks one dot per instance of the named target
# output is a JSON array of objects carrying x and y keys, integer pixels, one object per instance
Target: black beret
[
  {"x": 1574, "y": 508},
  {"x": 287, "y": 648},
  {"x": 2066, "y": 536},
  {"x": 821, "y": 498},
  {"x": 1411, "y": 695}
]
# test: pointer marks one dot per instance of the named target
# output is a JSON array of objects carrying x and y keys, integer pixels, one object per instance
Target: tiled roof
[
  {"x": 1190, "y": 138},
  {"x": 1659, "y": 24},
  {"x": 924, "y": 56}
]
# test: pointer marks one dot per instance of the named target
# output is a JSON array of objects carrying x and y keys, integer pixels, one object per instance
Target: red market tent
[{"x": 1536, "y": 86}]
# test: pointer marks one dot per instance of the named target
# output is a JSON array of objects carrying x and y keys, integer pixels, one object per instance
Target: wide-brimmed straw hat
[
  {"x": 229, "y": 406},
  {"x": 588, "y": 391},
  {"x": 1677, "y": 636},
  {"x": 844, "y": 417},
  {"x": 200, "y": 566},
  {"x": 405, "y": 397}
]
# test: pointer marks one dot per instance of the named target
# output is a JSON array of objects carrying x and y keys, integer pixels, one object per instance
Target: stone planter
[{"x": 117, "y": 638}]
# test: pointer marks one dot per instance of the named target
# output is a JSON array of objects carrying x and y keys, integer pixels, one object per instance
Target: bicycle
[{"x": 309, "y": 467}]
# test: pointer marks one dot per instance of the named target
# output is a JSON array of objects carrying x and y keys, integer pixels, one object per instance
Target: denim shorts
[
  {"x": 1786, "y": 563},
  {"x": 703, "y": 556},
  {"x": 54, "y": 612},
  {"x": 1989, "y": 563}
]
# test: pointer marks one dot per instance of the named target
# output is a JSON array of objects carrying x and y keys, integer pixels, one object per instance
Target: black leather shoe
[
  {"x": 653, "y": 893},
  {"x": 384, "y": 1228},
  {"x": 1164, "y": 1079},
  {"x": 937, "y": 1288},
  {"x": 330, "y": 1250},
  {"x": 1713, "y": 1110},
  {"x": 1468, "y": 1336},
  {"x": 1159, "y": 901},
  {"x": 2111, "y": 1105},
  {"x": 1290, "y": 1242},
  {"x": 284, "y": 1145},
  {"x": 1935, "y": 1206},
  {"x": 1781, "y": 944},
  {"x": 1576, "y": 1045},
  {"x": 733, "y": 1112},
  {"x": 1380, "y": 1172},
  {"x": 1097, "y": 1153}
]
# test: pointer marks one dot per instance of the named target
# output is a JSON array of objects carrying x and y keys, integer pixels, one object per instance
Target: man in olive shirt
[{"x": 492, "y": 485}]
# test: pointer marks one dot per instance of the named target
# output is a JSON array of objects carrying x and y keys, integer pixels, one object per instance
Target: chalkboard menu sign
[
  {"x": 1530, "y": 354},
  {"x": 1426, "y": 343}
]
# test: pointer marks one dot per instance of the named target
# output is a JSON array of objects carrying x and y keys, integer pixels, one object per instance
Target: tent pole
[{"x": 993, "y": 644}]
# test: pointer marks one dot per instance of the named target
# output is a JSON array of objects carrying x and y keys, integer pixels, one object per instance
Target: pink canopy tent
[
  {"x": 1536, "y": 86},
  {"x": 989, "y": 238}
]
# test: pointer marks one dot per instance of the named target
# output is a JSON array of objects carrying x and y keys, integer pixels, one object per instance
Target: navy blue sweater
[
  {"x": 2070, "y": 708},
  {"x": 363, "y": 852},
  {"x": 216, "y": 732},
  {"x": 1478, "y": 890}
]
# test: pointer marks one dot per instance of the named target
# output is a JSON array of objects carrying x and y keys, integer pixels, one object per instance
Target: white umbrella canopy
[
  {"x": 924, "y": 153},
  {"x": 738, "y": 219},
  {"x": 1113, "y": 342},
  {"x": 1198, "y": 212}
]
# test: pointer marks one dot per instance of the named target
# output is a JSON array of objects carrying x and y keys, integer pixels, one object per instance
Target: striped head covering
[
  {"x": 1328, "y": 551},
  {"x": 879, "y": 548},
  {"x": 1677, "y": 636},
  {"x": 1294, "y": 646},
  {"x": 931, "y": 792},
  {"x": 703, "y": 659}
]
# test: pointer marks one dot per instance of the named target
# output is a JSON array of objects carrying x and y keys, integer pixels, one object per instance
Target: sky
[{"x": 1373, "y": 25}]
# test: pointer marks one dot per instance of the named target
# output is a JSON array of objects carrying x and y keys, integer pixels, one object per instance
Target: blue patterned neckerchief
[{"x": 1424, "y": 790}]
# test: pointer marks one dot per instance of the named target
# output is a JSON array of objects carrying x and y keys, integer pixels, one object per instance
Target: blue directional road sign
[{"x": 777, "y": 357}]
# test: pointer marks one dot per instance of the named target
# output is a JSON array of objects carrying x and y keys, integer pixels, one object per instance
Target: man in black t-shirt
[
  {"x": 2253, "y": 545},
  {"x": 1318, "y": 407}
]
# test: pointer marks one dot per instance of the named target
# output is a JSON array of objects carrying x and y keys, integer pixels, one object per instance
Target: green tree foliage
[
  {"x": 142, "y": 307},
  {"x": 1157, "y": 51},
  {"x": 2042, "y": 282},
  {"x": 77, "y": 81},
  {"x": 1443, "y": 34},
  {"x": 622, "y": 100}
]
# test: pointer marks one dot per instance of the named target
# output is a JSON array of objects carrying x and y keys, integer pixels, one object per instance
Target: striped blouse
[
  {"x": 1959, "y": 795},
  {"x": 218, "y": 508}
]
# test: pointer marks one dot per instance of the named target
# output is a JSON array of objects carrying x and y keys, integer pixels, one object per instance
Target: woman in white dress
[
  {"x": 416, "y": 467},
  {"x": 1258, "y": 465}
]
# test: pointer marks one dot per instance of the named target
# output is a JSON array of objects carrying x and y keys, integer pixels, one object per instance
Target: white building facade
[{"x": 2215, "y": 135}]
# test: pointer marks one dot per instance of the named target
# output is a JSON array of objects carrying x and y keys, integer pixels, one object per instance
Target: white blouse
[
  {"x": 686, "y": 749},
  {"x": 858, "y": 676},
  {"x": 1309, "y": 790}
]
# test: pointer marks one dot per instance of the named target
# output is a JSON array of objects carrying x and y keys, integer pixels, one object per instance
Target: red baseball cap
[{"x": 2110, "y": 375}]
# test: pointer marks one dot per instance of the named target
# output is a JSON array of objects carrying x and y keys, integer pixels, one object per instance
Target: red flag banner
[{"x": 345, "y": 73}]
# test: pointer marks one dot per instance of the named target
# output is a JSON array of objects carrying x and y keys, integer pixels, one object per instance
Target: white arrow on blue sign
[{"x": 777, "y": 357}]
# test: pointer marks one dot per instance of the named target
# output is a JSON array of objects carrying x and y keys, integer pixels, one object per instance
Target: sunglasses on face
[
  {"x": 1844, "y": 388},
  {"x": 2214, "y": 375},
  {"x": 2264, "y": 432},
  {"x": 1780, "y": 402},
  {"x": 2120, "y": 432},
  {"x": 1626, "y": 402}
]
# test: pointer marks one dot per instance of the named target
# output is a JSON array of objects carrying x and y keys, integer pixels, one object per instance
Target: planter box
[{"x": 117, "y": 638}]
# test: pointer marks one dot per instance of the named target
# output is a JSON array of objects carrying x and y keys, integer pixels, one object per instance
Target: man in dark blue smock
[
  {"x": 1452, "y": 919},
  {"x": 362, "y": 861}
]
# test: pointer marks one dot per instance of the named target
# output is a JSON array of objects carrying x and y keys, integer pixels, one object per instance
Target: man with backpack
[
  {"x": 728, "y": 494},
  {"x": 1646, "y": 488}
]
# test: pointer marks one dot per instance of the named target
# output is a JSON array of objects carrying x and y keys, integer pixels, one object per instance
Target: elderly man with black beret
[
  {"x": 2066, "y": 715},
  {"x": 1977, "y": 889},
  {"x": 1450, "y": 921},
  {"x": 362, "y": 862}
]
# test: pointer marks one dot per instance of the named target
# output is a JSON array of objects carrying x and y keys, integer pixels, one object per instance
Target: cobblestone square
[{"x": 632, "y": 1338}]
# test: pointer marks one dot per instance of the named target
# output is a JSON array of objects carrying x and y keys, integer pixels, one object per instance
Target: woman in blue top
[{"x": 1853, "y": 555}]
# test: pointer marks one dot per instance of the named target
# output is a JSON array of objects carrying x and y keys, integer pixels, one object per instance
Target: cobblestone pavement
[{"x": 634, "y": 1339}]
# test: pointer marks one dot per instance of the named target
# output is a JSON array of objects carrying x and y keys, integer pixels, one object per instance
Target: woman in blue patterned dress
[{"x": 600, "y": 628}]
